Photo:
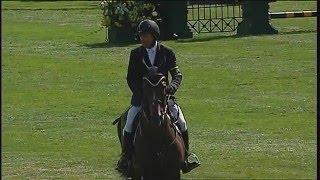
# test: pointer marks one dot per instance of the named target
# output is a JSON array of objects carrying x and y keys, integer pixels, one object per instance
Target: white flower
[
  {"x": 123, "y": 8},
  {"x": 103, "y": 4},
  {"x": 154, "y": 13},
  {"x": 105, "y": 12},
  {"x": 117, "y": 10}
]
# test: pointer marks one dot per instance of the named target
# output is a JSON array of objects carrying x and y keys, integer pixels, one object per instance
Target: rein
[
  {"x": 162, "y": 152},
  {"x": 165, "y": 148}
]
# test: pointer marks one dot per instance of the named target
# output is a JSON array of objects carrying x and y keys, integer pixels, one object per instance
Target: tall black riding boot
[
  {"x": 128, "y": 144},
  {"x": 185, "y": 137},
  {"x": 125, "y": 161},
  {"x": 188, "y": 166}
]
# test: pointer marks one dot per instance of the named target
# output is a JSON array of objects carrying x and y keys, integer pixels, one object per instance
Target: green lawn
[{"x": 249, "y": 101}]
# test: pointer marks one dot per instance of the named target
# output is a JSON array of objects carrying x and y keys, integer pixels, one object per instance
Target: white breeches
[
  {"x": 173, "y": 108},
  {"x": 133, "y": 111},
  {"x": 177, "y": 114}
]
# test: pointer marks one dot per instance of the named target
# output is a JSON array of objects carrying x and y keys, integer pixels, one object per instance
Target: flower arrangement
[{"x": 127, "y": 14}]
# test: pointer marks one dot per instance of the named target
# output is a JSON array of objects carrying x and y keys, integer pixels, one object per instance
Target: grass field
[{"x": 249, "y": 101}]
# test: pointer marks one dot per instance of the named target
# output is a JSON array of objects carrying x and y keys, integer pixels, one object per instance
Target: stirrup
[{"x": 192, "y": 161}]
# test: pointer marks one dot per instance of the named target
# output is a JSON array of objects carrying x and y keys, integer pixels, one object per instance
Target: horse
[{"x": 159, "y": 149}]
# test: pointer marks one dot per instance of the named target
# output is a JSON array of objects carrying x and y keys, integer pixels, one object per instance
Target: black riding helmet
[{"x": 149, "y": 26}]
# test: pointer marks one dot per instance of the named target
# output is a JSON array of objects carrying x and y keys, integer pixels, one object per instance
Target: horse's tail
[
  {"x": 120, "y": 121},
  {"x": 116, "y": 121},
  {"x": 119, "y": 118}
]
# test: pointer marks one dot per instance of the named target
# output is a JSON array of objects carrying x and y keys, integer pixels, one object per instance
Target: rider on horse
[{"x": 152, "y": 56}]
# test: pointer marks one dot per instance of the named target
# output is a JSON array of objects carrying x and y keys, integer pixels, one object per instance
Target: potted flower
[{"x": 121, "y": 18}]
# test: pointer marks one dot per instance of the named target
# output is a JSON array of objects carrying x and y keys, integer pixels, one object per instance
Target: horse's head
[{"x": 154, "y": 97}]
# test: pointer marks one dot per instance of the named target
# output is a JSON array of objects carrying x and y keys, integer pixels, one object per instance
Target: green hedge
[{"x": 47, "y": 0}]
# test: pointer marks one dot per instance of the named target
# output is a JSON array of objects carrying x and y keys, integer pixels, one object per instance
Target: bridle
[
  {"x": 154, "y": 100},
  {"x": 162, "y": 151}
]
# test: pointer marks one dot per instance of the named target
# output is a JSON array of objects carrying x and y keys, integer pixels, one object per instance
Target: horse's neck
[{"x": 165, "y": 133}]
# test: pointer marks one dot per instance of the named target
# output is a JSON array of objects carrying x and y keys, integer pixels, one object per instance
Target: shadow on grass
[
  {"x": 196, "y": 39},
  {"x": 298, "y": 31},
  {"x": 107, "y": 45},
  {"x": 215, "y": 37},
  {"x": 208, "y": 38}
]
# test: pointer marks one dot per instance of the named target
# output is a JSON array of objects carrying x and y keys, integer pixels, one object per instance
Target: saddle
[
  {"x": 172, "y": 118},
  {"x": 135, "y": 125},
  {"x": 191, "y": 159}
]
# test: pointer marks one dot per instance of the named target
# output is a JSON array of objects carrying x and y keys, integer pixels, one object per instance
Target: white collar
[{"x": 153, "y": 49}]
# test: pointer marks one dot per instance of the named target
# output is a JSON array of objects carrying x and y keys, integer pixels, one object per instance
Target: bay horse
[{"x": 159, "y": 149}]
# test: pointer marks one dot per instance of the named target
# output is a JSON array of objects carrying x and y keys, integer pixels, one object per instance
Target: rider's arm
[
  {"x": 175, "y": 73},
  {"x": 132, "y": 75}
]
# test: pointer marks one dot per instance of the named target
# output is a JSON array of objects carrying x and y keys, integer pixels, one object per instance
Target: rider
[{"x": 152, "y": 55}]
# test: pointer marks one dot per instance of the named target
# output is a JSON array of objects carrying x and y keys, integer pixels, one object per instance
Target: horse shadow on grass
[{"x": 303, "y": 31}]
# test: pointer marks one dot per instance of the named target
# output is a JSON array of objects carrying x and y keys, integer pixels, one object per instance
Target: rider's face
[{"x": 146, "y": 40}]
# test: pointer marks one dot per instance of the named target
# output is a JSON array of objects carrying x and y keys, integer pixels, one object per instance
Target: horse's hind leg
[
  {"x": 178, "y": 175},
  {"x": 137, "y": 177},
  {"x": 174, "y": 175},
  {"x": 120, "y": 126},
  {"x": 135, "y": 173}
]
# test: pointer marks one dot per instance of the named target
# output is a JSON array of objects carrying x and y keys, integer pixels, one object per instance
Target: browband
[{"x": 154, "y": 84}]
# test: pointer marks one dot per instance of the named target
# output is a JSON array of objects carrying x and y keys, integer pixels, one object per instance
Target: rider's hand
[{"x": 168, "y": 90}]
